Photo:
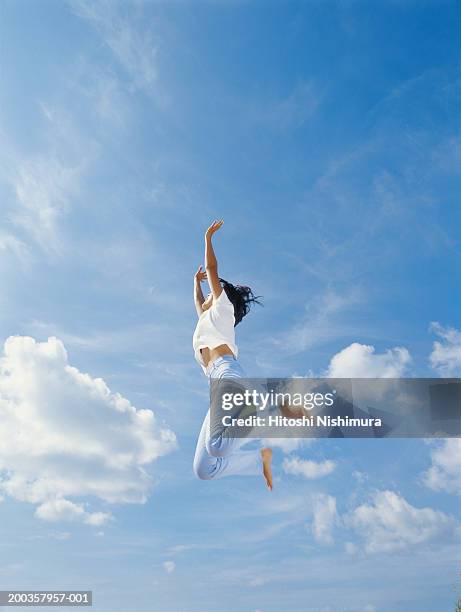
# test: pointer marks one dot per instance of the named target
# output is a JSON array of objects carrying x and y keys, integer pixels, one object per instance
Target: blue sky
[{"x": 327, "y": 135}]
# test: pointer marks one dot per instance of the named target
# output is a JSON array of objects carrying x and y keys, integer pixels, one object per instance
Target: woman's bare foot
[
  {"x": 266, "y": 455},
  {"x": 292, "y": 412}
]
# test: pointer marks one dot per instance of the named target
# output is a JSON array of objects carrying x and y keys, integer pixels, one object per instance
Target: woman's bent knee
[
  {"x": 218, "y": 447},
  {"x": 202, "y": 472}
]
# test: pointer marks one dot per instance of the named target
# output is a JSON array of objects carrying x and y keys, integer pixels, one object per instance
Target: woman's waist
[
  {"x": 219, "y": 351},
  {"x": 224, "y": 366},
  {"x": 209, "y": 355},
  {"x": 206, "y": 351}
]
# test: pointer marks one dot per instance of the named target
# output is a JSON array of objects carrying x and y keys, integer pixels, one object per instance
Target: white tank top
[{"x": 214, "y": 327}]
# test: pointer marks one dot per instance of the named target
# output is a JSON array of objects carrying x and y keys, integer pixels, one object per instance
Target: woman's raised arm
[
  {"x": 199, "y": 277},
  {"x": 211, "y": 263}
]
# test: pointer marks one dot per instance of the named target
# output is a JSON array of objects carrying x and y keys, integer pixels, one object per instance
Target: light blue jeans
[{"x": 219, "y": 455}]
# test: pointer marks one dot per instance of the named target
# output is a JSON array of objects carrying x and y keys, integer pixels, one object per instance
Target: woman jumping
[{"x": 216, "y": 351}]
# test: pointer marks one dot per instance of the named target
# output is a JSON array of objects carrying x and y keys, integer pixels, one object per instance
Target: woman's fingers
[
  {"x": 200, "y": 274},
  {"x": 217, "y": 223}
]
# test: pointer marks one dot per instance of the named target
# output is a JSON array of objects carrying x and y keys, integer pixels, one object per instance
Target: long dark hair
[{"x": 241, "y": 297}]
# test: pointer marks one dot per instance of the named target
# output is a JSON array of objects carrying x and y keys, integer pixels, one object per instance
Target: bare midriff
[{"x": 209, "y": 355}]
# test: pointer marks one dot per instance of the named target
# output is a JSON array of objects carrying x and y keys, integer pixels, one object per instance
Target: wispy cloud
[
  {"x": 292, "y": 111},
  {"x": 126, "y": 35},
  {"x": 321, "y": 322},
  {"x": 11, "y": 244},
  {"x": 124, "y": 339},
  {"x": 44, "y": 189},
  {"x": 101, "y": 94},
  {"x": 44, "y": 186}
]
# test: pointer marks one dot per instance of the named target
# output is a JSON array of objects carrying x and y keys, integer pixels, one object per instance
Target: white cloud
[
  {"x": 10, "y": 243},
  {"x": 445, "y": 357},
  {"x": 289, "y": 444},
  {"x": 390, "y": 523},
  {"x": 169, "y": 566},
  {"x": 44, "y": 188},
  {"x": 325, "y": 517},
  {"x": 130, "y": 41},
  {"x": 65, "y": 434},
  {"x": 307, "y": 468},
  {"x": 445, "y": 472},
  {"x": 99, "y": 87},
  {"x": 361, "y": 361},
  {"x": 320, "y": 322},
  {"x": 65, "y": 510},
  {"x": 359, "y": 476}
]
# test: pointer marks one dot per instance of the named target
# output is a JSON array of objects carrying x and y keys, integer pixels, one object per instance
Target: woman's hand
[
  {"x": 200, "y": 275},
  {"x": 213, "y": 228}
]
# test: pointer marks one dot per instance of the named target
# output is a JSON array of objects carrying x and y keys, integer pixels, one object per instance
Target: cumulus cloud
[
  {"x": 389, "y": 523},
  {"x": 361, "y": 361},
  {"x": 445, "y": 471},
  {"x": 325, "y": 518},
  {"x": 66, "y": 435},
  {"x": 65, "y": 510},
  {"x": 307, "y": 468},
  {"x": 289, "y": 444},
  {"x": 445, "y": 357}
]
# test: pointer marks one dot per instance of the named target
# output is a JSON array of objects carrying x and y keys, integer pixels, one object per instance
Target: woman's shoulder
[{"x": 222, "y": 300}]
